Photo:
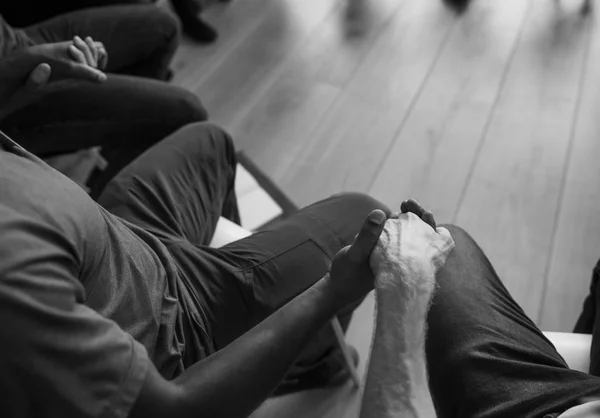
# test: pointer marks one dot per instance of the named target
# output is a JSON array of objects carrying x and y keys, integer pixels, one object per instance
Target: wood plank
[
  {"x": 511, "y": 200},
  {"x": 344, "y": 150},
  {"x": 293, "y": 101},
  {"x": 230, "y": 89},
  {"x": 234, "y": 22},
  {"x": 577, "y": 239},
  {"x": 280, "y": 123},
  {"x": 436, "y": 147}
]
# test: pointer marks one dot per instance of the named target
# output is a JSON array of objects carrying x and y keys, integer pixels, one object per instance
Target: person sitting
[
  {"x": 438, "y": 296},
  {"x": 126, "y": 113},
  {"x": 120, "y": 308}
]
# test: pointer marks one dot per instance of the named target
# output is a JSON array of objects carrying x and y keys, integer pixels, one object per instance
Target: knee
[
  {"x": 459, "y": 235},
  {"x": 359, "y": 203},
  {"x": 213, "y": 144},
  {"x": 157, "y": 30},
  {"x": 165, "y": 23},
  {"x": 189, "y": 108}
]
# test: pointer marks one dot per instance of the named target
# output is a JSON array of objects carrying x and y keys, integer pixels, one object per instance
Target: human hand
[
  {"x": 411, "y": 249},
  {"x": 28, "y": 73},
  {"x": 350, "y": 274},
  {"x": 77, "y": 59}
]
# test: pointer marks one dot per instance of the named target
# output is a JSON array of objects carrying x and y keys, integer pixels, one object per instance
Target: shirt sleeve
[
  {"x": 12, "y": 40},
  {"x": 58, "y": 358}
]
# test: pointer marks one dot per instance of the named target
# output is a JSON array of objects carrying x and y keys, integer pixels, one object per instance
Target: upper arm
[{"x": 57, "y": 356}]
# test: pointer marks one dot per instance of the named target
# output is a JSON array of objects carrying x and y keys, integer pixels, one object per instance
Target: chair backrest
[{"x": 574, "y": 348}]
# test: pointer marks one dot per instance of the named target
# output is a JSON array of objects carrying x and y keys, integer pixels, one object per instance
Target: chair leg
[
  {"x": 341, "y": 339},
  {"x": 288, "y": 207}
]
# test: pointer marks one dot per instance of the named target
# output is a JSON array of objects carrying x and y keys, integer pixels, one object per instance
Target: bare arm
[
  {"x": 25, "y": 72},
  {"x": 404, "y": 261},
  {"x": 396, "y": 354},
  {"x": 235, "y": 380}
]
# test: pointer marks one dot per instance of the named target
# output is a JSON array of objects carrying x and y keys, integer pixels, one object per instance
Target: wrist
[{"x": 332, "y": 296}]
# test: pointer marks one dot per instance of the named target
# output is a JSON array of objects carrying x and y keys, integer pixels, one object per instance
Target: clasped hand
[
  {"x": 76, "y": 59},
  {"x": 409, "y": 238},
  {"x": 27, "y": 73}
]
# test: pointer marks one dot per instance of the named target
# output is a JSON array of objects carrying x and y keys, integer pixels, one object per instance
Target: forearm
[
  {"x": 396, "y": 351},
  {"x": 234, "y": 381}
]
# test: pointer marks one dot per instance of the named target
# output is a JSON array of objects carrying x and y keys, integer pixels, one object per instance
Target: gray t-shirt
[{"x": 76, "y": 284}]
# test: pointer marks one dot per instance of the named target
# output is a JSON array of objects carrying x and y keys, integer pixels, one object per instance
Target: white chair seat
[{"x": 574, "y": 348}]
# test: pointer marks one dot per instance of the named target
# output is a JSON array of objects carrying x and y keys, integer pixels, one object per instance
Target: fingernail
[{"x": 377, "y": 217}]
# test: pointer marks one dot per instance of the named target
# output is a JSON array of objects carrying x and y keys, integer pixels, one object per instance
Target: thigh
[
  {"x": 130, "y": 33},
  {"x": 124, "y": 115},
  {"x": 485, "y": 357},
  {"x": 178, "y": 189},
  {"x": 123, "y": 111},
  {"x": 276, "y": 264}
]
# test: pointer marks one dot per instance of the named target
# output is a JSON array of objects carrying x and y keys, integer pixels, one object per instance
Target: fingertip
[
  {"x": 442, "y": 231},
  {"x": 39, "y": 77},
  {"x": 44, "y": 69},
  {"x": 429, "y": 219},
  {"x": 403, "y": 207},
  {"x": 413, "y": 206},
  {"x": 377, "y": 217}
]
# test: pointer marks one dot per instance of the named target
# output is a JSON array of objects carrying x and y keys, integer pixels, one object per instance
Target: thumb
[
  {"x": 368, "y": 236},
  {"x": 39, "y": 77}
]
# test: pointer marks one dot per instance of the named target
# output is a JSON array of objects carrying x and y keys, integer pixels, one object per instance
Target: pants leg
[
  {"x": 589, "y": 321},
  {"x": 485, "y": 357},
  {"x": 140, "y": 39},
  {"x": 244, "y": 282},
  {"x": 124, "y": 115},
  {"x": 178, "y": 189}
]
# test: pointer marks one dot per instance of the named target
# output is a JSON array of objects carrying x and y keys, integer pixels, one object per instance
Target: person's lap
[
  {"x": 485, "y": 357},
  {"x": 179, "y": 188},
  {"x": 140, "y": 39},
  {"x": 125, "y": 116}
]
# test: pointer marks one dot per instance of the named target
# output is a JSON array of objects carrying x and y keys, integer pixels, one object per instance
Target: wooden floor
[{"x": 490, "y": 118}]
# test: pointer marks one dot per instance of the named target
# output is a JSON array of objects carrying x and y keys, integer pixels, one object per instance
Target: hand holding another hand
[
  {"x": 350, "y": 274},
  {"x": 76, "y": 59},
  {"x": 411, "y": 249},
  {"x": 26, "y": 74}
]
